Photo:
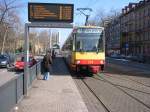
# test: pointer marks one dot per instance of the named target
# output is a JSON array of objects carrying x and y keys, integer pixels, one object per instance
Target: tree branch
[{"x": 11, "y": 2}]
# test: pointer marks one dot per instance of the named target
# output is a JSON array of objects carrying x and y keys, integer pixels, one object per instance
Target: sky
[{"x": 96, "y": 5}]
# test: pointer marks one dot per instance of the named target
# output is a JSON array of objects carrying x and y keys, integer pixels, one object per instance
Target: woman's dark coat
[{"x": 47, "y": 61}]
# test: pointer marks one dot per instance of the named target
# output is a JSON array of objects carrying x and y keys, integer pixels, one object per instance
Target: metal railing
[
  {"x": 32, "y": 75},
  {"x": 13, "y": 90},
  {"x": 38, "y": 68}
]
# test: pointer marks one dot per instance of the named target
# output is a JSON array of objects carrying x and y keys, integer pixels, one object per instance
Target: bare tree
[
  {"x": 101, "y": 16},
  {"x": 113, "y": 13},
  {"x": 6, "y": 9},
  {"x": 98, "y": 18},
  {"x": 43, "y": 39},
  {"x": 9, "y": 20}
]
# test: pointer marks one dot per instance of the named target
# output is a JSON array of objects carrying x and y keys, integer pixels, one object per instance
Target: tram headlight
[
  {"x": 102, "y": 62},
  {"x": 78, "y": 62}
]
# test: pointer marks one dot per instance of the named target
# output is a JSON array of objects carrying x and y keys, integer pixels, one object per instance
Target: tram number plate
[{"x": 90, "y": 62}]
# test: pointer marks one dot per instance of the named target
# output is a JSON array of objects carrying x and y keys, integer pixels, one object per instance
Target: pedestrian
[
  {"x": 53, "y": 53},
  {"x": 47, "y": 61}
]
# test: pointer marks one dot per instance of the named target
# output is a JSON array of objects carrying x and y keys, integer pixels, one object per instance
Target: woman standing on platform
[{"x": 47, "y": 61}]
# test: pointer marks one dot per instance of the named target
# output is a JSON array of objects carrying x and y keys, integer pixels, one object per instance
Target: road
[
  {"x": 6, "y": 76},
  {"x": 3, "y": 70},
  {"x": 134, "y": 71},
  {"x": 128, "y": 64}
]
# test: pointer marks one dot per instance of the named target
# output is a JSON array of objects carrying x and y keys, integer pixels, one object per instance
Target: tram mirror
[{"x": 98, "y": 49}]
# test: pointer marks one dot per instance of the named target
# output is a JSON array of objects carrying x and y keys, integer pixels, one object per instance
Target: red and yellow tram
[{"x": 85, "y": 49}]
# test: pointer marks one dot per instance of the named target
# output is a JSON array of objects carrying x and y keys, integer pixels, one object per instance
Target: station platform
[{"x": 58, "y": 94}]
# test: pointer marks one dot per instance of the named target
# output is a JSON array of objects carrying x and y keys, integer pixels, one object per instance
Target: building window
[
  {"x": 140, "y": 49},
  {"x": 148, "y": 11},
  {"x": 148, "y": 22},
  {"x": 148, "y": 35},
  {"x": 143, "y": 36}
]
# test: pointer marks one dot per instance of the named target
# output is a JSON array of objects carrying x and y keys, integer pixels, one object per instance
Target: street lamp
[{"x": 82, "y": 11}]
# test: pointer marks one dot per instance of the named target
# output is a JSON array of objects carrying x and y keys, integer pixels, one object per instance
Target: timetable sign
[{"x": 50, "y": 12}]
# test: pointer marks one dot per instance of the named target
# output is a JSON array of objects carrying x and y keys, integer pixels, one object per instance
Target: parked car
[
  {"x": 4, "y": 60},
  {"x": 129, "y": 57},
  {"x": 138, "y": 58},
  {"x": 123, "y": 56},
  {"x": 116, "y": 56},
  {"x": 19, "y": 64}
]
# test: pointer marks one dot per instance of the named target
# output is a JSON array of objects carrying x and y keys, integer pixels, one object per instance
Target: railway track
[
  {"x": 90, "y": 89},
  {"x": 82, "y": 80},
  {"x": 108, "y": 109},
  {"x": 132, "y": 73},
  {"x": 127, "y": 78},
  {"x": 104, "y": 102},
  {"x": 116, "y": 86}
]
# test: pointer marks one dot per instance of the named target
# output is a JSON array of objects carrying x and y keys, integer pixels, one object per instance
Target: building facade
[
  {"x": 135, "y": 29},
  {"x": 112, "y": 33}
]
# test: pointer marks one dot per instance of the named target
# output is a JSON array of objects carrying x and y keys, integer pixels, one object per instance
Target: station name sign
[{"x": 50, "y": 12}]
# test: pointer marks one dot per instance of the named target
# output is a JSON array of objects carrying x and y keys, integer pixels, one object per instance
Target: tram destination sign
[
  {"x": 89, "y": 30},
  {"x": 50, "y": 12}
]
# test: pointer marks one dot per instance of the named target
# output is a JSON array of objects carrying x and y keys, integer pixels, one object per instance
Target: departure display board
[{"x": 42, "y": 12}]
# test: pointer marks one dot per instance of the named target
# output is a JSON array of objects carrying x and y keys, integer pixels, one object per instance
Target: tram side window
[{"x": 100, "y": 42}]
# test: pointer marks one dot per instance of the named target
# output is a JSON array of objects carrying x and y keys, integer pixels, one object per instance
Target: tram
[{"x": 85, "y": 49}]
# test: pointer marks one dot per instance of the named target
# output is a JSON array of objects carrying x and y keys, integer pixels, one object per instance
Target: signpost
[
  {"x": 45, "y": 15},
  {"x": 50, "y": 12},
  {"x": 126, "y": 47}
]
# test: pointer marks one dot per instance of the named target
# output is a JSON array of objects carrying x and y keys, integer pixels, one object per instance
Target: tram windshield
[{"x": 89, "y": 42}]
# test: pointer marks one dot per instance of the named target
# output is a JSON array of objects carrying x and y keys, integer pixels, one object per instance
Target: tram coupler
[{"x": 94, "y": 69}]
